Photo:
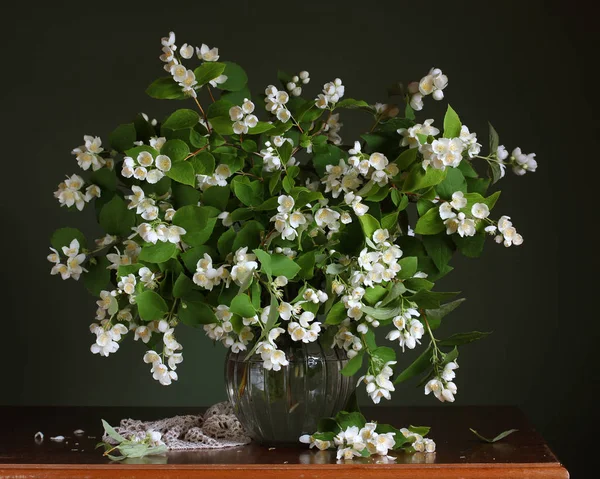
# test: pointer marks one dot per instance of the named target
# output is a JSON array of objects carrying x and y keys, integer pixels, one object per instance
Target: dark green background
[{"x": 526, "y": 66}]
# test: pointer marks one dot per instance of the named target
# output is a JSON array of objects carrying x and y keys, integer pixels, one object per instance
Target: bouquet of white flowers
[{"x": 251, "y": 219}]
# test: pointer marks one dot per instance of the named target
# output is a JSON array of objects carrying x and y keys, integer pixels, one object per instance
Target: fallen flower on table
[
  {"x": 355, "y": 437},
  {"x": 134, "y": 447}
]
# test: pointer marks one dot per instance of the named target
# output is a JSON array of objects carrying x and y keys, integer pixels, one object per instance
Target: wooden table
[{"x": 459, "y": 454}]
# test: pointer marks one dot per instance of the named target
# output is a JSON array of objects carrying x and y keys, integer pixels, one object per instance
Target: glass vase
[{"x": 277, "y": 407}]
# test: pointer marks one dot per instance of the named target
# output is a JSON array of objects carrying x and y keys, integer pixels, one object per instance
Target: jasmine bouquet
[{"x": 250, "y": 217}]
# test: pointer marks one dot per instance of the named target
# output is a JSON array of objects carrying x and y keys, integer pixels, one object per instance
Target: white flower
[
  {"x": 480, "y": 210},
  {"x": 163, "y": 163},
  {"x": 380, "y": 236},
  {"x": 186, "y": 51},
  {"x": 143, "y": 333},
  {"x": 236, "y": 113},
  {"x": 448, "y": 374},
  {"x": 446, "y": 211},
  {"x": 523, "y": 163},
  {"x": 378, "y": 161},
  {"x": 458, "y": 200},
  {"x": 286, "y": 203},
  {"x": 207, "y": 54},
  {"x": 127, "y": 284}
]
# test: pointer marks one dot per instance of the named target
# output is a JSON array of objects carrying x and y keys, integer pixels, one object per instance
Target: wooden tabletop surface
[{"x": 459, "y": 453}]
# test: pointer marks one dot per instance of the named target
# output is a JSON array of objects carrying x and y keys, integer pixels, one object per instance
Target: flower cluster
[
  {"x": 507, "y": 232},
  {"x": 273, "y": 358},
  {"x": 218, "y": 178},
  {"x": 223, "y": 330},
  {"x": 288, "y": 221},
  {"x": 88, "y": 154},
  {"x": 431, "y": 84},
  {"x": 160, "y": 232},
  {"x": 71, "y": 268},
  {"x": 206, "y": 276},
  {"x": 332, "y": 92},
  {"x": 442, "y": 386},
  {"x": 184, "y": 77},
  {"x": 69, "y": 192},
  {"x": 379, "y": 384},
  {"x": 242, "y": 117},
  {"x": 145, "y": 167},
  {"x": 165, "y": 373},
  {"x": 409, "y": 330},
  {"x": 295, "y": 85},
  {"x": 107, "y": 337},
  {"x": 275, "y": 103}
]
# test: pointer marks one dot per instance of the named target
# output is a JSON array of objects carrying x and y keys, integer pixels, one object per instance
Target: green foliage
[
  {"x": 353, "y": 366},
  {"x": 236, "y": 77},
  {"x": 418, "y": 178},
  {"x": 181, "y": 119},
  {"x": 242, "y": 305},
  {"x": 177, "y": 150},
  {"x": 151, "y": 306},
  {"x": 430, "y": 223},
  {"x": 63, "y": 237},
  {"x": 197, "y": 222},
  {"x": 115, "y": 218},
  {"x": 452, "y": 124},
  {"x": 208, "y": 71},
  {"x": 97, "y": 277},
  {"x": 195, "y": 313},
  {"x": 157, "y": 253},
  {"x": 165, "y": 88},
  {"x": 122, "y": 138}
]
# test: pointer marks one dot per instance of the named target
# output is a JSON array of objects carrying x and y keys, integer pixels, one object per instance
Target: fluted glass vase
[{"x": 277, "y": 407}]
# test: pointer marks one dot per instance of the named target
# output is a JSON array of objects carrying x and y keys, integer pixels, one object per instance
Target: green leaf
[
  {"x": 281, "y": 265},
  {"x": 183, "y": 285},
  {"x": 249, "y": 193},
  {"x": 208, "y": 71},
  {"x": 383, "y": 355},
  {"x": 242, "y": 305},
  {"x": 151, "y": 306},
  {"x": 406, "y": 158},
  {"x": 122, "y": 138},
  {"x": 462, "y": 338},
  {"x": 225, "y": 242},
  {"x": 105, "y": 179},
  {"x": 431, "y": 299},
  {"x": 496, "y": 171},
  {"x": 439, "y": 248},
  {"x": 409, "y": 267},
  {"x": 181, "y": 119},
  {"x": 353, "y": 366},
  {"x": 182, "y": 172},
  {"x": 454, "y": 181},
  {"x": 336, "y": 314},
  {"x": 195, "y": 313},
  {"x": 157, "y": 253},
  {"x": 217, "y": 196},
  {"x": 330, "y": 156},
  {"x": 222, "y": 125},
  {"x": 435, "y": 316},
  {"x": 349, "y": 419},
  {"x": 452, "y": 124},
  {"x": 165, "y": 88},
  {"x": 127, "y": 269},
  {"x": 63, "y": 237},
  {"x": 383, "y": 312},
  {"x": 420, "y": 430},
  {"x": 418, "y": 178},
  {"x": 237, "y": 97},
  {"x": 219, "y": 108},
  {"x": 115, "y": 218},
  {"x": 478, "y": 185},
  {"x": 306, "y": 262},
  {"x": 184, "y": 195},
  {"x": 97, "y": 277},
  {"x": 195, "y": 220},
  {"x": 249, "y": 235},
  {"x": 261, "y": 127},
  {"x": 418, "y": 284},
  {"x": 500, "y": 436},
  {"x": 273, "y": 314},
  {"x": 369, "y": 225},
  {"x": 430, "y": 223},
  {"x": 397, "y": 289},
  {"x": 494, "y": 140},
  {"x": 418, "y": 366},
  {"x": 470, "y": 246},
  {"x": 236, "y": 77},
  {"x": 351, "y": 103},
  {"x": 203, "y": 163},
  {"x": 374, "y": 294},
  {"x": 328, "y": 424},
  {"x": 467, "y": 170},
  {"x": 177, "y": 150},
  {"x": 110, "y": 431},
  {"x": 265, "y": 261},
  {"x": 390, "y": 221}
]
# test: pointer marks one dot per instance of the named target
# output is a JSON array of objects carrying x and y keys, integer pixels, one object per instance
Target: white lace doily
[{"x": 217, "y": 428}]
